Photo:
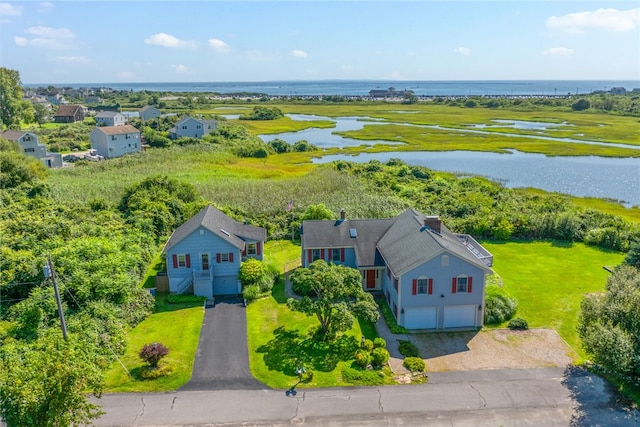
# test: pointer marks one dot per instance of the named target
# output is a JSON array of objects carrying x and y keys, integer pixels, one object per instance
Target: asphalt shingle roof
[
  {"x": 118, "y": 130},
  {"x": 218, "y": 223}
]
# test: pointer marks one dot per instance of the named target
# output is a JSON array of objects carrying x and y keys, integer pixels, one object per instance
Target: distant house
[
  {"x": 193, "y": 128},
  {"x": 204, "y": 254},
  {"x": 149, "y": 112},
  {"x": 56, "y": 99},
  {"x": 110, "y": 118},
  {"x": 115, "y": 141},
  {"x": 70, "y": 113},
  {"x": 92, "y": 99},
  {"x": 31, "y": 147},
  {"x": 619, "y": 90},
  {"x": 389, "y": 93},
  {"x": 431, "y": 278}
]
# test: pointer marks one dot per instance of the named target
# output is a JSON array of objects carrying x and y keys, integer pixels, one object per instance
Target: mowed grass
[
  {"x": 280, "y": 341},
  {"x": 550, "y": 279},
  {"x": 177, "y": 326}
]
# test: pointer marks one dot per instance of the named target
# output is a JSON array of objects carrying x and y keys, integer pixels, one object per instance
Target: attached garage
[
  {"x": 226, "y": 285},
  {"x": 460, "y": 316},
  {"x": 420, "y": 318}
]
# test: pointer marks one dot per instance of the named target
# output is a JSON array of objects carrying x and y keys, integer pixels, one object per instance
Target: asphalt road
[
  {"x": 524, "y": 397},
  {"x": 222, "y": 359}
]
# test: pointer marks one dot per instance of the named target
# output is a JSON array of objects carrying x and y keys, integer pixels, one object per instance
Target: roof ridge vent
[{"x": 225, "y": 232}]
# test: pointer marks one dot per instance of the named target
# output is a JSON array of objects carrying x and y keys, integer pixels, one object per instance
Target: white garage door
[
  {"x": 420, "y": 318},
  {"x": 460, "y": 316}
]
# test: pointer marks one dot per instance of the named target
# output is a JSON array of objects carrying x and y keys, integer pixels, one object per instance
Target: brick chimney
[
  {"x": 433, "y": 222},
  {"x": 343, "y": 214}
]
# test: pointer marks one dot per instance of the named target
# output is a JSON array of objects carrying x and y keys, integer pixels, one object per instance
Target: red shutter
[
  {"x": 187, "y": 258},
  {"x": 175, "y": 260},
  {"x": 309, "y": 256},
  {"x": 469, "y": 283},
  {"x": 258, "y": 248},
  {"x": 218, "y": 258},
  {"x": 414, "y": 287},
  {"x": 341, "y": 254},
  {"x": 321, "y": 253},
  {"x": 230, "y": 256},
  {"x": 430, "y": 290},
  {"x": 454, "y": 285}
]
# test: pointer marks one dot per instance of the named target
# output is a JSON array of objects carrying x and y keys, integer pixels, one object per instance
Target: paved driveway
[{"x": 222, "y": 359}]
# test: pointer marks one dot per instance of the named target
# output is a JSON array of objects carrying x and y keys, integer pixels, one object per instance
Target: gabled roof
[
  {"x": 337, "y": 234},
  {"x": 107, "y": 114},
  {"x": 147, "y": 107},
  {"x": 219, "y": 224},
  {"x": 67, "y": 110},
  {"x": 409, "y": 243},
  {"x": 13, "y": 135},
  {"x": 118, "y": 130}
]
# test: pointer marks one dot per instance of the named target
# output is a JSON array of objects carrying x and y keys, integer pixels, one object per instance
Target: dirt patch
[{"x": 493, "y": 349}]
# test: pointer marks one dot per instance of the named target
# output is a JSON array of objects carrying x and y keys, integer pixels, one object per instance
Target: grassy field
[
  {"x": 177, "y": 326},
  {"x": 549, "y": 280}
]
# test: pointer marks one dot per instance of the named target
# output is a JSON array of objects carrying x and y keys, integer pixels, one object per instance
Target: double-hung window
[
  {"x": 335, "y": 255},
  {"x": 251, "y": 249},
  {"x": 316, "y": 254},
  {"x": 423, "y": 286}
]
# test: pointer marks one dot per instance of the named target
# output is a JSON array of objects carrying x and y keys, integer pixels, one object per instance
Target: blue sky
[{"x": 182, "y": 41}]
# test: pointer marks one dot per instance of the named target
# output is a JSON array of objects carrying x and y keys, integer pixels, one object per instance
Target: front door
[
  {"x": 205, "y": 261},
  {"x": 371, "y": 279}
]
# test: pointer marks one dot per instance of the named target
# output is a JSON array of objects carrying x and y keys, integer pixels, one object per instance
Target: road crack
[
  {"x": 484, "y": 402},
  {"x": 380, "y": 407},
  {"x": 141, "y": 411},
  {"x": 173, "y": 402}
]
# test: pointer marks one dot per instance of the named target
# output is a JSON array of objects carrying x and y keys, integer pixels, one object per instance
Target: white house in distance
[
  {"x": 31, "y": 147},
  {"x": 110, "y": 118},
  {"x": 115, "y": 141},
  {"x": 192, "y": 128}
]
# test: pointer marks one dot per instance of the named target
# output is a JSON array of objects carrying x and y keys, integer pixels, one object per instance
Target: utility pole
[{"x": 49, "y": 272}]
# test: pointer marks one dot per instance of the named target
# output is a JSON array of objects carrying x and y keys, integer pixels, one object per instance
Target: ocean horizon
[{"x": 362, "y": 87}]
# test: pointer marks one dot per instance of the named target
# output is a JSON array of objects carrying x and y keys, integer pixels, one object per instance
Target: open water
[{"x": 362, "y": 87}]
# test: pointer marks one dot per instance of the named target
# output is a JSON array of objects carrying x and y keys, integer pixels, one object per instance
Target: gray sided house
[
  {"x": 115, "y": 141},
  {"x": 203, "y": 255},
  {"x": 110, "y": 118},
  {"x": 148, "y": 112},
  {"x": 431, "y": 278},
  {"x": 192, "y": 128},
  {"x": 31, "y": 147}
]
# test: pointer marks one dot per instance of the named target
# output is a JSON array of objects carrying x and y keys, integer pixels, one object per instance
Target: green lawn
[
  {"x": 279, "y": 342},
  {"x": 549, "y": 280},
  {"x": 177, "y": 326}
]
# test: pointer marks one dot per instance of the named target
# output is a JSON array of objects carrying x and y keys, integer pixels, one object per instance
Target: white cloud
[
  {"x": 462, "y": 51},
  {"x": 558, "y": 52},
  {"x": 7, "y": 9},
  {"x": 602, "y": 19},
  {"x": 167, "y": 40},
  {"x": 72, "y": 59},
  {"x": 45, "y": 7},
  {"x": 180, "y": 69},
  {"x": 47, "y": 37},
  {"x": 299, "y": 53},
  {"x": 219, "y": 45}
]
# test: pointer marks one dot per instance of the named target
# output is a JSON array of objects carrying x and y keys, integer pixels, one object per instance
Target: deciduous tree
[
  {"x": 13, "y": 109},
  {"x": 337, "y": 297}
]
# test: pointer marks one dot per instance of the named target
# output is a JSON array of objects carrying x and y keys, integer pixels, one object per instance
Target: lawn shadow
[
  {"x": 162, "y": 306},
  {"x": 436, "y": 344},
  {"x": 278, "y": 291},
  {"x": 597, "y": 401},
  {"x": 562, "y": 244},
  {"x": 290, "y": 349}
]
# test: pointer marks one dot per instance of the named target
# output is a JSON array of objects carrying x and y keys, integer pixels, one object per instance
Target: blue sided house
[
  {"x": 204, "y": 254},
  {"x": 431, "y": 277}
]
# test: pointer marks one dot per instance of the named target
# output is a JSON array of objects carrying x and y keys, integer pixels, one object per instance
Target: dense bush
[
  {"x": 408, "y": 349},
  {"x": 379, "y": 356},
  {"x": 498, "y": 306},
  {"x": 303, "y": 145},
  {"x": 362, "y": 358},
  {"x": 367, "y": 345},
  {"x": 518, "y": 324},
  {"x": 379, "y": 342},
  {"x": 366, "y": 377},
  {"x": 279, "y": 146},
  {"x": 263, "y": 113},
  {"x": 251, "y": 293},
  {"x": 414, "y": 364},
  {"x": 153, "y": 353}
]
